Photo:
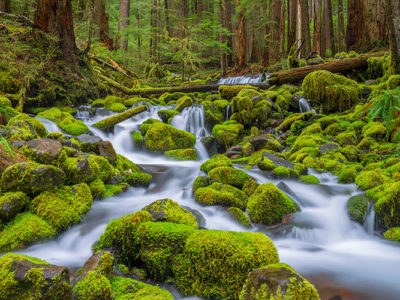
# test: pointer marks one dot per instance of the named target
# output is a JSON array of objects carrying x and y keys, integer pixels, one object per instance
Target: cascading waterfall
[
  {"x": 304, "y": 106},
  {"x": 339, "y": 256},
  {"x": 83, "y": 113},
  {"x": 248, "y": 79},
  {"x": 369, "y": 223},
  {"x": 228, "y": 112}
]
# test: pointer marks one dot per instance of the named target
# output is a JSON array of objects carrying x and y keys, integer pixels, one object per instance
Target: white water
[
  {"x": 341, "y": 257},
  {"x": 304, "y": 106},
  {"x": 248, "y": 79}
]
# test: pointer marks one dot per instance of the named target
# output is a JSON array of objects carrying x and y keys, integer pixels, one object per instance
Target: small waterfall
[
  {"x": 192, "y": 120},
  {"x": 369, "y": 223},
  {"x": 50, "y": 126},
  {"x": 83, "y": 113},
  {"x": 304, "y": 106},
  {"x": 260, "y": 78},
  {"x": 228, "y": 112}
]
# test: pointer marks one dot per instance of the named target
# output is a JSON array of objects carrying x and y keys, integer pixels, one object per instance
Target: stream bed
[{"x": 339, "y": 256}]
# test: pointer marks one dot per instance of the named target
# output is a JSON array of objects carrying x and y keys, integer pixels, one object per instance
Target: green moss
[
  {"x": 283, "y": 172},
  {"x": 26, "y": 229},
  {"x": 230, "y": 91},
  {"x": 310, "y": 179},
  {"x": 98, "y": 103},
  {"x": 375, "y": 130},
  {"x": 199, "y": 182},
  {"x": 97, "y": 188},
  {"x": 333, "y": 92},
  {"x": 347, "y": 174},
  {"x": 65, "y": 121},
  {"x": 215, "y": 112},
  {"x": 369, "y": 179},
  {"x": 167, "y": 114},
  {"x": 119, "y": 235},
  {"x": 127, "y": 289},
  {"x": 250, "y": 186},
  {"x": 183, "y": 102},
  {"x": 31, "y": 178},
  {"x": 110, "y": 100},
  {"x": 94, "y": 286},
  {"x": 221, "y": 194},
  {"x": 163, "y": 137},
  {"x": 117, "y": 107},
  {"x": 218, "y": 160},
  {"x": 23, "y": 127},
  {"x": 277, "y": 281},
  {"x": 64, "y": 206},
  {"x": 357, "y": 208},
  {"x": 347, "y": 138},
  {"x": 228, "y": 133},
  {"x": 136, "y": 100},
  {"x": 118, "y": 118},
  {"x": 214, "y": 264},
  {"x": 123, "y": 164},
  {"x": 241, "y": 103},
  {"x": 139, "y": 179},
  {"x": 392, "y": 234},
  {"x": 158, "y": 243},
  {"x": 168, "y": 97},
  {"x": 229, "y": 175},
  {"x": 167, "y": 210},
  {"x": 182, "y": 154},
  {"x": 114, "y": 189},
  {"x": 11, "y": 204},
  {"x": 266, "y": 164},
  {"x": 5, "y": 101},
  {"x": 268, "y": 205},
  {"x": 239, "y": 216}
]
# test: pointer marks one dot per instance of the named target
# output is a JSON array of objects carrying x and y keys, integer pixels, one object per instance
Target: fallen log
[
  {"x": 118, "y": 118},
  {"x": 344, "y": 66}
]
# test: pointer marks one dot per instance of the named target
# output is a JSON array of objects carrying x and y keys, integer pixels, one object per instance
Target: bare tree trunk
[
  {"x": 340, "y": 27},
  {"x": 139, "y": 35},
  {"x": 305, "y": 28},
  {"x": 123, "y": 24},
  {"x": 101, "y": 25},
  {"x": 154, "y": 31},
  {"x": 228, "y": 26},
  {"x": 317, "y": 26},
  {"x": 329, "y": 32},
  {"x": 240, "y": 40},
  {"x": 167, "y": 20},
  {"x": 271, "y": 53},
  {"x": 222, "y": 60},
  {"x": 55, "y": 17},
  {"x": 292, "y": 24},
  {"x": 282, "y": 29},
  {"x": 393, "y": 14},
  {"x": 5, "y": 6}
]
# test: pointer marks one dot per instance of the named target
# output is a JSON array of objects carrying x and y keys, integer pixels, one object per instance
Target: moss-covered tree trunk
[
  {"x": 240, "y": 40},
  {"x": 340, "y": 27},
  {"x": 55, "y": 17},
  {"x": 101, "y": 24},
  {"x": 5, "y": 6},
  {"x": 393, "y": 9}
]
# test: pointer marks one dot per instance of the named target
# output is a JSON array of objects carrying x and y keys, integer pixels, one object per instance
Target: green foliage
[
  {"x": 94, "y": 286},
  {"x": 310, "y": 179},
  {"x": 218, "y": 160},
  {"x": 239, "y": 216},
  {"x": 182, "y": 154},
  {"x": 229, "y": 175},
  {"x": 393, "y": 234},
  {"x": 357, "y": 208},
  {"x": 65, "y": 121}
]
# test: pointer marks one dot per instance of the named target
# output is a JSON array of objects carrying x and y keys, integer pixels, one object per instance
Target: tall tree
[
  {"x": 240, "y": 39},
  {"x": 101, "y": 24},
  {"x": 272, "y": 49},
  {"x": 317, "y": 9},
  {"x": 340, "y": 27},
  {"x": 393, "y": 14},
  {"x": 304, "y": 31},
  {"x": 55, "y": 17},
  {"x": 123, "y": 23},
  {"x": 292, "y": 23},
  {"x": 5, "y": 6},
  {"x": 328, "y": 26}
]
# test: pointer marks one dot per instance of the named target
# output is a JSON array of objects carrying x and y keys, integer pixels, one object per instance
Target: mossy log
[
  {"x": 344, "y": 66},
  {"x": 114, "y": 120}
]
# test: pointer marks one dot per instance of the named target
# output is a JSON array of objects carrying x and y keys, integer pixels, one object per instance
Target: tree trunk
[
  {"x": 305, "y": 39},
  {"x": 154, "y": 32},
  {"x": 282, "y": 28},
  {"x": 240, "y": 41},
  {"x": 123, "y": 24},
  {"x": 393, "y": 9},
  {"x": 292, "y": 23},
  {"x": 317, "y": 26},
  {"x": 101, "y": 25},
  {"x": 271, "y": 53},
  {"x": 167, "y": 19},
  {"x": 329, "y": 32},
  {"x": 55, "y": 17},
  {"x": 228, "y": 26},
  {"x": 340, "y": 27},
  {"x": 221, "y": 38},
  {"x": 367, "y": 24},
  {"x": 5, "y": 6}
]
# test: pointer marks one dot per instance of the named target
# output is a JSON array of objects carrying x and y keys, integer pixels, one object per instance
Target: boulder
[
  {"x": 107, "y": 150},
  {"x": 11, "y": 204},
  {"x": 89, "y": 143},
  {"x": 45, "y": 151}
]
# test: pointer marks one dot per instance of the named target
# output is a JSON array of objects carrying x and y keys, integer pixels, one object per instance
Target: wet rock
[
  {"x": 89, "y": 143},
  {"x": 210, "y": 144},
  {"x": 265, "y": 142},
  {"x": 11, "y": 204},
  {"x": 328, "y": 147},
  {"x": 285, "y": 188},
  {"x": 45, "y": 151},
  {"x": 107, "y": 150},
  {"x": 278, "y": 161},
  {"x": 235, "y": 150},
  {"x": 25, "y": 277},
  {"x": 102, "y": 260}
]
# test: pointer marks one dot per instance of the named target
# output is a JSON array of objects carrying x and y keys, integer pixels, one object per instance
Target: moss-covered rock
[
  {"x": 45, "y": 151},
  {"x": 120, "y": 236},
  {"x": 163, "y": 137},
  {"x": 183, "y": 102},
  {"x": 65, "y": 121},
  {"x": 277, "y": 281},
  {"x": 230, "y": 91},
  {"x": 221, "y": 194},
  {"x": 268, "y": 205},
  {"x": 219, "y": 262},
  {"x": 97, "y": 188},
  {"x": 335, "y": 93},
  {"x": 158, "y": 244},
  {"x": 369, "y": 179},
  {"x": 5, "y": 101},
  {"x": 24, "y": 230},
  {"x": 239, "y": 216},
  {"x": 63, "y": 206},
  {"x": 357, "y": 208},
  {"x": 375, "y": 130},
  {"x": 218, "y": 160},
  {"x": 94, "y": 286},
  {"x": 228, "y": 133},
  {"x": 199, "y": 182},
  {"x": 126, "y": 288},
  {"x": 167, "y": 114},
  {"x": 392, "y": 234},
  {"x": 118, "y": 118},
  {"x": 23, "y": 127},
  {"x": 310, "y": 179},
  {"x": 139, "y": 179},
  {"x": 168, "y": 97},
  {"x": 24, "y": 277},
  {"x": 11, "y": 204},
  {"x": 229, "y": 175},
  {"x": 182, "y": 154},
  {"x": 31, "y": 178},
  {"x": 167, "y": 210}
]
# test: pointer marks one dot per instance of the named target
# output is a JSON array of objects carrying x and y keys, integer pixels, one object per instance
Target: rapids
[{"x": 339, "y": 256}]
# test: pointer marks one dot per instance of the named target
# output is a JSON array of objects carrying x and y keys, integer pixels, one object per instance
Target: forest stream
[{"x": 339, "y": 256}]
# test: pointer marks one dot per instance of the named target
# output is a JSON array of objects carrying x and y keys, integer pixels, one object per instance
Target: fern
[
  {"x": 386, "y": 107},
  {"x": 7, "y": 146}
]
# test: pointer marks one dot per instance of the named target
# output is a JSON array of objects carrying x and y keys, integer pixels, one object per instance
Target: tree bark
[
  {"x": 340, "y": 27},
  {"x": 55, "y": 17},
  {"x": 292, "y": 24},
  {"x": 305, "y": 39},
  {"x": 329, "y": 32},
  {"x": 123, "y": 24},
  {"x": 240, "y": 41},
  {"x": 393, "y": 13},
  {"x": 101, "y": 25},
  {"x": 271, "y": 53},
  {"x": 317, "y": 26},
  {"x": 228, "y": 26},
  {"x": 5, "y": 6}
]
